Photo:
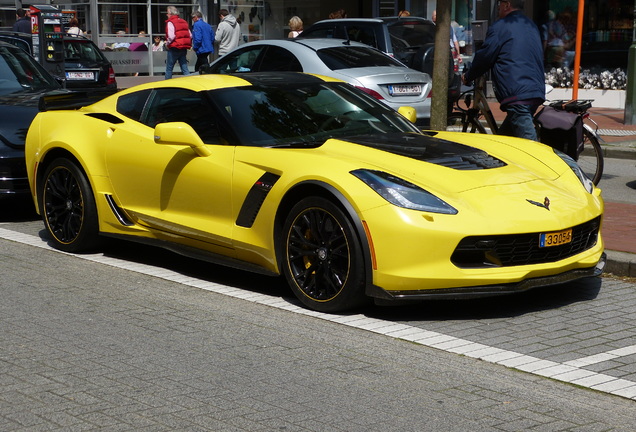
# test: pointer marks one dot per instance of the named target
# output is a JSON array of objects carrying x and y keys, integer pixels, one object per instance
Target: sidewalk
[{"x": 619, "y": 227}]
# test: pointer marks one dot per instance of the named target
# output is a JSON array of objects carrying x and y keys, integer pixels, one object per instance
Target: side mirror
[
  {"x": 180, "y": 133},
  {"x": 409, "y": 113}
]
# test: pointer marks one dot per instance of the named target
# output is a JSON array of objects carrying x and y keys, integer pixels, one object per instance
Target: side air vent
[
  {"x": 255, "y": 198},
  {"x": 106, "y": 117},
  {"x": 118, "y": 212}
]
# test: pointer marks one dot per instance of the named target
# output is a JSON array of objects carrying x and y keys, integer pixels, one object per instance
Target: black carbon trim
[
  {"x": 489, "y": 290},
  {"x": 255, "y": 198},
  {"x": 118, "y": 212}
]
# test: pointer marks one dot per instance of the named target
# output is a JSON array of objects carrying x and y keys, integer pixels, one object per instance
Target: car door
[
  {"x": 169, "y": 187},
  {"x": 278, "y": 59}
]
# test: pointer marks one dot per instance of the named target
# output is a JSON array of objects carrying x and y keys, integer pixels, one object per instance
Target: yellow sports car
[{"x": 309, "y": 177}]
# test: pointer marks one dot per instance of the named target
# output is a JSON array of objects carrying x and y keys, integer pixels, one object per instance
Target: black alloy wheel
[
  {"x": 68, "y": 207},
  {"x": 323, "y": 260}
]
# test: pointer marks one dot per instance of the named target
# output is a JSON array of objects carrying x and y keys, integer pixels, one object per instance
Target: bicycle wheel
[{"x": 591, "y": 160}]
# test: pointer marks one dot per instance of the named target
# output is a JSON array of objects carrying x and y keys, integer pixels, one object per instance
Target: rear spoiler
[{"x": 70, "y": 100}]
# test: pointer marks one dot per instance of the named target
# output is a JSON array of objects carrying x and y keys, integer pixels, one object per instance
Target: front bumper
[{"x": 489, "y": 290}]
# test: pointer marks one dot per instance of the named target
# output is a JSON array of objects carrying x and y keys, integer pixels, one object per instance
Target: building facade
[{"x": 607, "y": 23}]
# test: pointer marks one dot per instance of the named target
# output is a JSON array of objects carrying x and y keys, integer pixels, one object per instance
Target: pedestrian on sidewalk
[
  {"x": 513, "y": 51},
  {"x": 202, "y": 40},
  {"x": 178, "y": 42},
  {"x": 228, "y": 32},
  {"x": 23, "y": 23},
  {"x": 295, "y": 27}
]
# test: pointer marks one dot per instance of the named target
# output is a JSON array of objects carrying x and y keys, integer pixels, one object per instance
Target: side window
[
  {"x": 181, "y": 105},
  {"x": 362, "y": 34},
  {"x": 132, "y": 105},
  {"x": 239, "y": 62},
  {"x": 279, "y": 59}
]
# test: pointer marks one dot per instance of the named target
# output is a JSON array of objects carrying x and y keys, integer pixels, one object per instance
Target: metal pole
[
  {"x": 151, "y": 30},
  {"x": 577, "y": 51},
  {"x": 630, "y": 95}
]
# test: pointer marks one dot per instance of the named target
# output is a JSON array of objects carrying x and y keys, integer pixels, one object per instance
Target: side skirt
[{"x": 197, "y": 254}]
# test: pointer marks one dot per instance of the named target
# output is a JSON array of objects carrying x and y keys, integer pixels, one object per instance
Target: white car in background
[{"x": 365, "y": 67}]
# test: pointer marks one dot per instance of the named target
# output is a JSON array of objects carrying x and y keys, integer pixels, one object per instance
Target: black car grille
[{"x": 522, "y": 249}]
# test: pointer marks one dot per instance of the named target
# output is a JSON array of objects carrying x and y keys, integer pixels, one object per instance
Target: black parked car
[
  {"x": 85, "y": 66},
  {"x": 409, "y": 39},
  {"x": 22, "y": 82}
]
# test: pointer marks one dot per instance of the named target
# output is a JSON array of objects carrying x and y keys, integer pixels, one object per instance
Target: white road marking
[{"x": 569, "y": 372}]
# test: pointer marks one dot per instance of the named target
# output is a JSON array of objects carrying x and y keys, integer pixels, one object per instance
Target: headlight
[
  {"x": 584, "y": 179},
  {"x": 402, "y": 193}
]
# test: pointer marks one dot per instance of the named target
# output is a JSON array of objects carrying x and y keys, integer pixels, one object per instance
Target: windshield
[
  {"x": 305, "y": 114},
  {"x": 346, "y": 57},
  {"x": 19, "y": 73}
]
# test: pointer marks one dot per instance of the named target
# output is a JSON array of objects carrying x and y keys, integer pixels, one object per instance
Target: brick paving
[
  {"x": 96, "y": 347},
  {"x": 619, "y": 230},
  {"x": 92, "y": 347}
]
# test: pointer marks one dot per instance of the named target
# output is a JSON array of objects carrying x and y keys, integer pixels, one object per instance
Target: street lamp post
[{"x": 630, "y": 96}]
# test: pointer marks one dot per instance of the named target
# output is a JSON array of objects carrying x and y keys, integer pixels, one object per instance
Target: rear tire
[
  {"x": 68, "y": 207},
  {"x": 322, "y": 257}
]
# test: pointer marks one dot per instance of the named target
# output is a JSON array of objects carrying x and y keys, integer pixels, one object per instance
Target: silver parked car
[{"x": 360, "y": 65}]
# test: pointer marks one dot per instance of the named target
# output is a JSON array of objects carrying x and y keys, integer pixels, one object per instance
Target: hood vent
[
  {"x": 433, "y": 150},
  {"x": 474, "y": 161}
]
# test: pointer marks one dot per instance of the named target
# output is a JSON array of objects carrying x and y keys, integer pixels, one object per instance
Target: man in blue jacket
[
  {"x": 514, "y": 52},
  {"x": 202, "y": 40}
]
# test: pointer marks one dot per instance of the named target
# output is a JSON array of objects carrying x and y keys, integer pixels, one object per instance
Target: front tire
[
  {"x": 68, "y": 207},
  {"x": 591, "y": 160},
  {"x": 323, "y": 261}
]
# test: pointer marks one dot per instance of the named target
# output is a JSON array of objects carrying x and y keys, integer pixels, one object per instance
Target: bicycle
[{"x": 587, "y": 150}]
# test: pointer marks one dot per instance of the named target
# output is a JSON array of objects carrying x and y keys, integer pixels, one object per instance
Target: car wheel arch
[
  {"x": 329, "y": 192},
  {"x": 48, "y": 158}
]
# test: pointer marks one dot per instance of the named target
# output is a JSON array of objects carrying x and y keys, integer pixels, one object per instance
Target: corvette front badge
[{"x": 545, "y": 204}]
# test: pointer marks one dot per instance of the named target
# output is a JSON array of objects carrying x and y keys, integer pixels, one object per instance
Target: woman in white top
[
  {"x": 73, "y": 27},
  {"x": 296, "y": 27},
  {"x": 158, "y": 44}
]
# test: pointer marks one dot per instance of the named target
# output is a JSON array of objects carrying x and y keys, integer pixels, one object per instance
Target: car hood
[{"x": 452, "y": 162}]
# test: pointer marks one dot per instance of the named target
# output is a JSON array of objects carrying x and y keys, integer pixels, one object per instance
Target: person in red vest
[{"x": 178, "y": 42}]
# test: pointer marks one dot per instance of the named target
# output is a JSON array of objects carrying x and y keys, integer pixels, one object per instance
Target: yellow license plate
[{"x": 555, "y": 238}]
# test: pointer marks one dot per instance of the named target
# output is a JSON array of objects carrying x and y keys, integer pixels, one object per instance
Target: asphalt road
[
  {"x": 136, "y": 339},
  {"x": 619, "y": 180}
]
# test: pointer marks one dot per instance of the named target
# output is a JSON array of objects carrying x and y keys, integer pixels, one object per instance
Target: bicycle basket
[{"x": 561, "y": 130}]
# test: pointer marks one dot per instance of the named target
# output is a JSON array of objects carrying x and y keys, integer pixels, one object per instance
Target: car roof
[
  {"x": 407, "y": 18},
  {"x": 313, "y": 43},
  {"x": 348, "y": 20},
  {"x": 218, "y": 81}
]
